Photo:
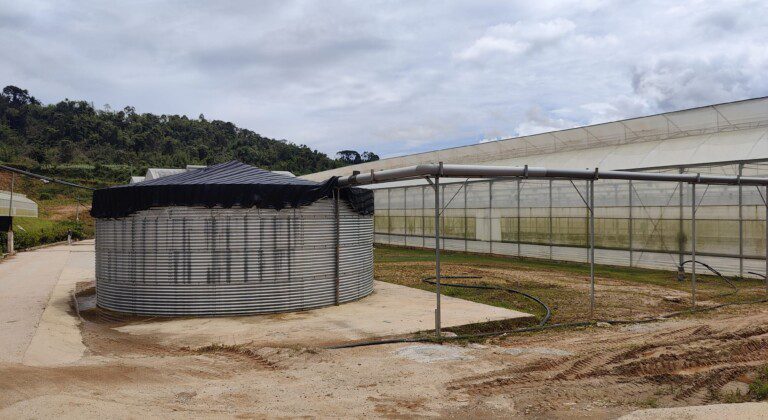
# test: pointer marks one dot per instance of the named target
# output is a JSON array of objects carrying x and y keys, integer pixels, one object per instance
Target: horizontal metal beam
[{"x": 483, "y": 171}]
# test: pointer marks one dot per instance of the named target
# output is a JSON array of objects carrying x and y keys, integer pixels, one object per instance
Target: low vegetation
[
  {"x": 758, "y": 389},
  {"x": 623, "y": 292},
  {"x": 31, "y": 232}
]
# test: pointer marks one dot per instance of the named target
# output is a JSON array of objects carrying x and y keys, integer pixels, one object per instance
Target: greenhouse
[{"x": 637, "y": 223}]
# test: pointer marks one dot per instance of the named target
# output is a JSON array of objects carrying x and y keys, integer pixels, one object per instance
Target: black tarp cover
[{"x": 231, "y": 184}]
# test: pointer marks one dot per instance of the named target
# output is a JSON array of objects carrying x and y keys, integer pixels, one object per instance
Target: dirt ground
[
  {"x": 589, "y": 372},
  {"x": 68, "y": 211}
]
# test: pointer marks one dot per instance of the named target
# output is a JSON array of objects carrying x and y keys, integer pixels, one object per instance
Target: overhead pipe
[
  {"x": 486, "y": 171},
  {"x": 43, "y": 177}
]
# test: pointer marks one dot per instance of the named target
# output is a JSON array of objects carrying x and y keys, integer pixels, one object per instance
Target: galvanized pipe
[
  {"x": 10, "y": 199},
  {"x": 550, "y": 233},
  {"x": 591, "y": 248},
  {"x": 693, "y": 244},
  {"x": 484, "y": 171},
  {"x": 437, "y": 255},
  {"x": 518, "y": 218},
  {"x": 9, "y": 236},
  {"x": 631, "y": 226},
  {"x": 741, "y": 225},
  {"x": 680, "y": 236},
  {"x": 43, "y": 177}
]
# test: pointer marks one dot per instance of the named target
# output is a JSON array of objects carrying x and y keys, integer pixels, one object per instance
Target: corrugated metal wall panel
[{"x": 198, "y": 261}]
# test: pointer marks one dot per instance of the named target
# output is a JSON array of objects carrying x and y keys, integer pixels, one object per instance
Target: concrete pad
[
  {"x": 26, "y": 282},
  {"x": 390, "y": 310},
  {"x": 58, "y": 340},
  {"x": 740, "y": 411}
]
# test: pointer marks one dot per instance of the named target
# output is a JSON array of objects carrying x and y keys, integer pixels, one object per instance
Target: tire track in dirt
[{"x": 693, "y": 362}]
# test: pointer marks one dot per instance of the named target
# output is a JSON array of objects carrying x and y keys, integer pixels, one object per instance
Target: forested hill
[{"x": 74, "y": 132}]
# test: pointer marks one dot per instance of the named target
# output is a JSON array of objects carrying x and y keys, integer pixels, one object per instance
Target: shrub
[
  {"x": 31, "y": 232},
  {"x": 758, "y": 389}
]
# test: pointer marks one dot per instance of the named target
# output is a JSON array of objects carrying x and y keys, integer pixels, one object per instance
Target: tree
[
  {"x": 18, "y": 101},
  {"x": 66, "y": 151},
  {"x": 18, "y": 97},
  {"x": 72, "y": 130},
  {"x": 349, "y": 157},
  {"x": 370, "y": 157}
]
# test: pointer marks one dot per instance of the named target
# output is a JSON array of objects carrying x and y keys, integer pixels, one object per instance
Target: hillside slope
[{"x": 74, "y": 132}]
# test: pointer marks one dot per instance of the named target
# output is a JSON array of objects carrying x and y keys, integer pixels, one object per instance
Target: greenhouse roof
[
  {"x": 22, "y": 206},
  {"x": 729, "y": 132}
]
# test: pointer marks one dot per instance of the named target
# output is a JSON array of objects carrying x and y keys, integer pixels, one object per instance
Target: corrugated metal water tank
[
  {"x": 231, "y": 239},
  {"x": 199, "y": 261}
]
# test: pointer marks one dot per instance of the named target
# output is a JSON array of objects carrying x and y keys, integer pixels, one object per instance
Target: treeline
[{"x": 74, "y": 132}]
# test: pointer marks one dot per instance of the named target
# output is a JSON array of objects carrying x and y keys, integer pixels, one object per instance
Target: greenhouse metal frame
[{"x": 640, "y": 199}]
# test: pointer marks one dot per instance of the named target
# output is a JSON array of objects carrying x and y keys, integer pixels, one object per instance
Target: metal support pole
[
  {"x": 766, "y": 239},
  {"x": 550, "y": 220},
  {"x": 490, "y": 216},
  {"x": 591, "y": 248},
  {"x": 437, "y": 254},
  {"x": 741, "y": 225},
  {"x": 693, "y": 245},
  {"x": 423, "y": 218},
  {"x": 406, "y": 234},
  {"x": 631, "y": 227},
  {"x": 10, "y": 201},
  {"x": 466, "y": 228},
  {"x": 337, "y": 264},
  {"x": 680, "y": 236},
  {"x": 442, "y": 218},
  {"x": 10, "y": 245},
  {"x": 518, "y": 218},
  {"x": 389, "y": 216}
]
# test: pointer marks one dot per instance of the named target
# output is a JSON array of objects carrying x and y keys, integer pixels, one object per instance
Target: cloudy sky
[{"x": 394, "y": 77}]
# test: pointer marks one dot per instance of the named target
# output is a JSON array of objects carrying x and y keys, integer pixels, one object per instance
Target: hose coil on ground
[{"x": 542, "y": 321}]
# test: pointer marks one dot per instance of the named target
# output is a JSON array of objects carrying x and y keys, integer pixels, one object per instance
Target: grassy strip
[
  {"x": 392, "y": 254},
  {"x": 569, "y": 301},
  {"x": 31, "y": 232}
]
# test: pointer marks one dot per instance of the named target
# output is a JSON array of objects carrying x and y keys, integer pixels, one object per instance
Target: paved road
[{"x": 26, "y": 283}]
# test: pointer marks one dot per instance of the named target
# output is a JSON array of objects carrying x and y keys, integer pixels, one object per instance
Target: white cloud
[
  {"x": 393, "y": 77},
  {"x": 538, "y": 121},
  {"x": 517, "y": 38}
]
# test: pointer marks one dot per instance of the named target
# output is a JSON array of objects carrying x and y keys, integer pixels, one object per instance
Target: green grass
[
  {"x": 758, "y": 389},
  {"x": 649, "y": 402},
  {"x": 569, "y": 301},
  {"x": 30, "y": 232},
  {"x": 391, "y": 254}
]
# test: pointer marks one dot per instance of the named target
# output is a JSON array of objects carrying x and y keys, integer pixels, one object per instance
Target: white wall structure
[{"x": 639, "y": 223}]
